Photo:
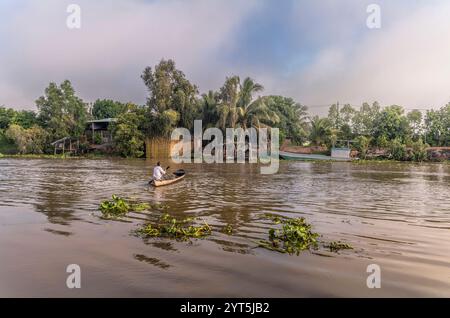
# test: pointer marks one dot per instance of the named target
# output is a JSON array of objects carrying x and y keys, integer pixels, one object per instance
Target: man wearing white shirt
[{"x": 158, "y": 172}]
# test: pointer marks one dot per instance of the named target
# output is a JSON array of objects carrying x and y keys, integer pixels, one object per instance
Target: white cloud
[
  {"x": 107, "y": 55},
  {"x": 406, "y": 63}
]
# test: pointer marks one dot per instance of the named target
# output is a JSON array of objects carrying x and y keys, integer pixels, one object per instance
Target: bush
[
  {"x": 382, "y": 141},
  {"x": 419, "y": 151},
  {"x": 362, "y": 145},
  {"x": 27, "y": 141},
  {"x": 398, "y": 150},
  {"x": 127, "y": 133}
]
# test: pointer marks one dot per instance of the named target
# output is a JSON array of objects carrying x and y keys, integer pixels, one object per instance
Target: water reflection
[
  {"x": 152, "y": 261},
  {"x": 58, "y": 232}
]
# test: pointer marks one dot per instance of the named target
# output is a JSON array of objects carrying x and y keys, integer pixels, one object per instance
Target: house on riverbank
[
  {"x": 97, "y": 137},
  {"x": 98, "y": 132}
]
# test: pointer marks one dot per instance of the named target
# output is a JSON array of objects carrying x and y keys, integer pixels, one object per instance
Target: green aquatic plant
[
  {"x": 118, "y": 207},
  {"x": 294, "y": 236},
  {"x": 149, "y": 230},
  {"x": 139, "y": 207},
  {"x": 336, "y": 246},
  {"x": 159, "y": 206},
  {"x": 274, "y": 218},
  {"x": 228, "y": 229},
  {"x": 171, "y": 227}
]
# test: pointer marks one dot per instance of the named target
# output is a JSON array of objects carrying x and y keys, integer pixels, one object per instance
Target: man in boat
[{"x": 158, "y": 172}]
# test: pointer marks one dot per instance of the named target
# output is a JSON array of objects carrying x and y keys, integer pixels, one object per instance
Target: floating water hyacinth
[
  {"x": 336, "y": 246},
  {"x": 228, "y": 229},
  {"x": 119, "y": 207},
  {"x": 295, "y": 236},
  {"x": 170, "y": 227}
]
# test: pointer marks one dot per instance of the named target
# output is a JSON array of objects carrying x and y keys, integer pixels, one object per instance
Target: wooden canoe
[{"x": 161, "y": 183}]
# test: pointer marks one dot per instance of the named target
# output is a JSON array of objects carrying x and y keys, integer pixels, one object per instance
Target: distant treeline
[{"x": 173, "y": 101}]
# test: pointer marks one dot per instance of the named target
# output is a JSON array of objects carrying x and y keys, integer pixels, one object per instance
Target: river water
[{"x": 395, "y": 215}]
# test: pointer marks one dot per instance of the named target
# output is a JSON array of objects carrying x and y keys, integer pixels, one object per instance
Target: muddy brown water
[{"x": 395, "y": 215}]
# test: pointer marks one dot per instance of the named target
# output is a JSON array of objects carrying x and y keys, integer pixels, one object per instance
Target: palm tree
[
  {"x": 238, "y": 107},
  {"x": 301, "y": 112},
  {"x": 247, "y": 89},
  {"x": 255, "y": 113},
  {"x": 320, "y": 130},
  {"x": 210, "y": 108},
  {"x": 229, "y": 96},
  {"x": 299, "y": 127}
]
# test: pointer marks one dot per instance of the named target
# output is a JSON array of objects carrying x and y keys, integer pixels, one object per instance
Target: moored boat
[{"x": 300, "y": 156}]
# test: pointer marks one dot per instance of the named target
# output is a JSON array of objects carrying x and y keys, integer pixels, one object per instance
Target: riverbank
[
  {"x": 60, "y": 156},
  {"x": 98, "y": 156},
  {"x": 429, "y": 154}
]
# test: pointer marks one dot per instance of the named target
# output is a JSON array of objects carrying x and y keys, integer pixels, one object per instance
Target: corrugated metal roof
[{"x": 105, "y": 120}]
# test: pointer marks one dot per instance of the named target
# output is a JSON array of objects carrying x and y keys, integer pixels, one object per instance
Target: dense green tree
[
  {"x": 415, "y": 121},
  {"x": 293, "y": 118},
  {"x": 162, "y": 124},
  {"x": 334, "y": 116},
  {"x": 169, "y": 89},
  {"x": 392, "y": 124},
  {"x": 437, "y": 126},
  {"x": 61, "y": 112},
  {"x": 23, "y": 118},
  {"x": 345, "y": 132},
  {"x": 364, "y": 119},
  {"x": 107, "y": 108},
  {"x": 127, "y": 132},
  {"x": 6, "y": 117},
  {"x": 347, "y": 112},
  {"x": 341, "y": 119}
]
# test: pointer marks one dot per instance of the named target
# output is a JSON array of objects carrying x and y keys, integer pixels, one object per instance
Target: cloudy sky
[{"x": 316, "y": 51}]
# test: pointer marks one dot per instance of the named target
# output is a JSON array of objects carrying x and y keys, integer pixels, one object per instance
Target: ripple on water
[{"x": 400, "y": 213}]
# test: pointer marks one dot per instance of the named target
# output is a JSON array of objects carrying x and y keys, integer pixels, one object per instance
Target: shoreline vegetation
[
  {"x": 102, "y": 156},
  {"x": 92, "y": 156},
  {"x": 391, "y": 132}
]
